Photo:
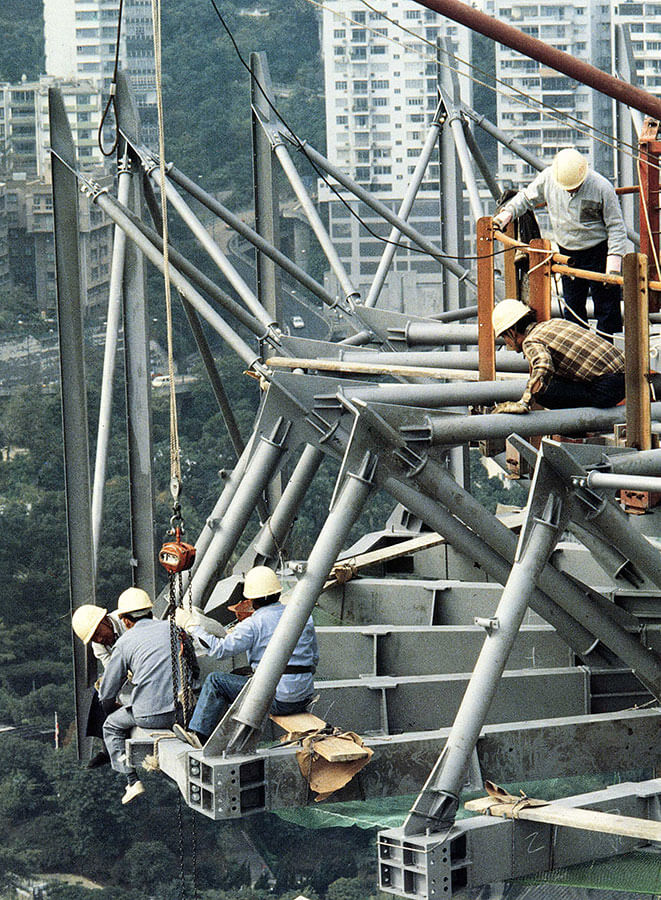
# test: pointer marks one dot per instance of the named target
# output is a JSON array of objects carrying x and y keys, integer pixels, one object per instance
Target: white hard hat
[
  {"x": 507, "y": 313},
  {"x": 569, "y": 168},
  {"x": 86, "y": 619},
  {"x": 261, "y": 582},
  {"x": 133, "y": 600}
]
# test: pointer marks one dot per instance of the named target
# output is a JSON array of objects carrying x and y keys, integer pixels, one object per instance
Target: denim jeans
[
  {"x": 117, "y": 728},
  {"x": 219, "y": 691},
  {"x": 606, "y": 297}
]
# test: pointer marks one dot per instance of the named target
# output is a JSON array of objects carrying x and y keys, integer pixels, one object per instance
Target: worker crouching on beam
[
  {"x": 252, "y": 635},
  {"x": 570, "y": 366},
  {"x": 588, "y": 227}
]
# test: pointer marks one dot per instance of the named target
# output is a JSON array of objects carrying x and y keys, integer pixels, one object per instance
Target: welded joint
[
  {"x": 279, "y": 433},
  {"x": 490, "y": 624}
]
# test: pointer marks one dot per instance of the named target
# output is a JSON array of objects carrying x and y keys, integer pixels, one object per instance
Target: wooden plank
[
  {"x": 347, "y": 564},
  {"x": 485, "y": 299},
  {"x": 300, "y": 723},
  {"x": 365, "y": 368},
  {"x": 637, "y": 352},
  {"x": 339, "y": 749}
]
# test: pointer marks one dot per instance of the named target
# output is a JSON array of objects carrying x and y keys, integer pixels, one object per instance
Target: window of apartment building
[
  {"x": 339, "y": 51},
  {"x": 431, "y": 33},
  {"x": 341, "y": 120},
  {"x": 340, "y": 85},
  {"x": 415, "y": 117},
  {"x": 362, "y": 138},
  {"x": 362, "y": 173},
  {"x": 86, "y": 15},
  {"x": 359, "y": 17},
  {"x": 87, "y": 32},
  {"x": 358, "y": 35},
  {"x": 362, "y": 156},
  {"x": 381, "y": 120},
  {"x": 382, "y": 170},
  {"x": 359, "y": 53},
  {"x": 415, "y": 101},
  {"x": 341, "y": 230},
  {"x": 361, "y": 121},
  {"x": 339, "y": 33},
  {"x": 414, "y": 84},
  {"x": 380, "y": 101},
  {"x": 359, "y": 87},
  {"x": 359, "y": 103},
  {"x": 378, "y": 49},
  {"x": 381, "y": 153},
  {"x": 380, "y": 84}
]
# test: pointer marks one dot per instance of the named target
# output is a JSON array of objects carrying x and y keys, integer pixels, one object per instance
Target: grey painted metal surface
[{"x": 77, "y": 483}]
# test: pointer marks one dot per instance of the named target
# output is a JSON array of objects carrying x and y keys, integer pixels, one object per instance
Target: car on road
[{"x": 297, "y": 322}]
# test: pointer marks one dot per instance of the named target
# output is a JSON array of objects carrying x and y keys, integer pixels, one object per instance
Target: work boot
[
  {"x": 102, "y": 758},
  {"x": 132, "y": 791},
  {"x": 188, "y": 736}
]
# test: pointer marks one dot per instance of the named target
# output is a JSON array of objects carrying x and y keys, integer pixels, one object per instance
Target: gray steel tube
[
  {"x": 440, "y": 430},
  {"x": 259, "y": 471},
  {"x": 316, "y": 224},
  {"x": 110, "y": 207},
  {"x": 262, "y": 686},
  {"x": 275, "y": 530},
  {"x": 465, "y": 541},
  {"x": 645, "y": 462},
  {"x": 251, "y": 236},
  {"x": 624, "y": 482},
  {"x": 432, "y": 396},
  {"x": 387, "y": 214},
  {"x": 439, "y": 798},
  {"x": 403, "y": 212}
]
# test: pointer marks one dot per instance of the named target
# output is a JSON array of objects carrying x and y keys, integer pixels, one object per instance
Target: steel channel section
[
  {"x": 77, "y": 482},
  {"x": 113, "y": 318},
  {"x": 268, "y": 543},
  {"x": 509, "y": 752},
  {"x": 262, "y": 686},
  {"x": 243, "y": 351},
  {"x": 403, "y": 212},
  {"x": 482, "y": 850},
  {"x": 314, "y": 219},
  {"x": 138, "y": 410},
  {"x": 438, "y": 801},
  {"x": 399, "y": 651},
  {"x": 263, "y": 463}
]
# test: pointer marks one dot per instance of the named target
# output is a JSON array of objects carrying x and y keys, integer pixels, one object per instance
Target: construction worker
[
  {"x": 96, "y": 626},
  {"x": 144, "y": 650},
  {"x": 587, "y": 225},
  {"x": 570, "y": 366},
  {"x": 252, "y": 634}
]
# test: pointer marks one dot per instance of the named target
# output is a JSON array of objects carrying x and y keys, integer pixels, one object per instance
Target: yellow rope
[{"x": 175, "y": 461}]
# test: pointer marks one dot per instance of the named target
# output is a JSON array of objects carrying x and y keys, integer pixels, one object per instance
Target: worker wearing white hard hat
[
  {"x": 587, "y": 224},
  {"x": 570, "y": 366},
  {"x": 252, "y": 634}
]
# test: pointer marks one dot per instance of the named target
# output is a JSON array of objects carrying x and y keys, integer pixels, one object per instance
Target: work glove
[
  {"x": 184, "y": 618},
  {"x": 613, "y": 264},
  {"x": 514, "y": 407},
  {"x": 502, "y": 219}
]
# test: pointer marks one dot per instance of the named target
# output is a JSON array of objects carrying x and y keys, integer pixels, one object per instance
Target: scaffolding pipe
[
  {"x": 404, "y": 211},
  {"x": 624, "y": 482},
  {"x": 646, "y": 462},
  {"x": 439, "y": 799},
  {"x": 432, "y": 396}
]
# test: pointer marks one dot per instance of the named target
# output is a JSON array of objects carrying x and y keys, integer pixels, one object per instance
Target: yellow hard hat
[
  {"x": 507, "y": 313},
  {"x": 569, "y": 168},
  {"x": 133, "y": 600},
  {"x": 261, "y": 582},
  {"x": 86, "y": 619}
]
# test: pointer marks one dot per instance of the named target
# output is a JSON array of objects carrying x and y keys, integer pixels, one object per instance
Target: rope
[{"x": 175, "y": 460}]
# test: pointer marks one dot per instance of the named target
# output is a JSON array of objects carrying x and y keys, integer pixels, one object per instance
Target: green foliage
[{"x": 22, "y": 40}]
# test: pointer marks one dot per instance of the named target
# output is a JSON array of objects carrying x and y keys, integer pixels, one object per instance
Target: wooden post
[
  {"x": 485, "y": 299},
  {"x": 539, "y": 280},
  {"x": 650, "y": 194},
  {"x": 509, "y": 267},
  {"x": 637, "y": 351}
]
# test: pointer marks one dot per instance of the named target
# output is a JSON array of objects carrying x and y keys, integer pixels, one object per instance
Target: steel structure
[{"x": 560, "y": 625}]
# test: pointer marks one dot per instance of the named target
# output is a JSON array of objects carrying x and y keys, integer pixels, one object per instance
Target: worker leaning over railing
[
  {"x": 570, "y": 366},
  {"x": 587, "y": 225}
]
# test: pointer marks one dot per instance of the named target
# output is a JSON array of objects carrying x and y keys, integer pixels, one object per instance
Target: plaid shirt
[{"x": 562, "y": 348}]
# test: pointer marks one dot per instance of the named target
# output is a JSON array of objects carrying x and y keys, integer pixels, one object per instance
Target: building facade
[{"x": 381, "y": 96}]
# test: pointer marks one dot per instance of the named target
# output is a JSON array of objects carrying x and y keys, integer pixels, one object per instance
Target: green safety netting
[{"x": 638, "y": 872}]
